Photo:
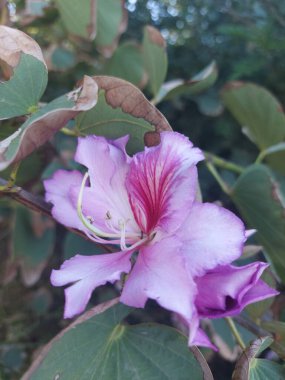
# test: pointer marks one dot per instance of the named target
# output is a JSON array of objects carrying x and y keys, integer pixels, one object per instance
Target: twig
[{"x": 38, "y": 204}]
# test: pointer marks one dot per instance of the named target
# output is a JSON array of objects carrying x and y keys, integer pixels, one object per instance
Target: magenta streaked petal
[
  {"x": 159, "y": 274},
  {"x": 233, "y": 289},
  {"x": 59, "y": 190},
  {"x": 85, "y": 273},
  {"x": 212, "y": 236},
  {"x": 107, "y": 164},
  {"x": 162, "y": 183}
]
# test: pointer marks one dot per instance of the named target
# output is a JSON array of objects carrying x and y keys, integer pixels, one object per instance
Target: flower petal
[
  {"x": 59, "y": 190},
  {"x": 226, "y": 290},
  {"x": 162, "y": 182},
  {"x": 212, "y": 236},
  {"x": 201, "y": 339},
  {"x": 88, "y": 272},
  {"x": 107, "y": 164},
  {"x": 160, "y": 274}
]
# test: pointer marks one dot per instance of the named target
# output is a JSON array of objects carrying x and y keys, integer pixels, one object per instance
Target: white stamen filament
[{"x": 96, "y": 234}]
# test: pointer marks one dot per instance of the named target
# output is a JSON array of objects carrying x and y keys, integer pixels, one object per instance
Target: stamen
[
  {"x": 122, "y": 225},
  {"x": 88, "y": 223}
]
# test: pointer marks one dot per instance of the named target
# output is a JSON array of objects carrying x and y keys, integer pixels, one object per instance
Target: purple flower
[{"x": 147, "y": 204}]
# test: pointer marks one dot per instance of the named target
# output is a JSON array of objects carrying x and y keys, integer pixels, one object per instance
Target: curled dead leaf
[
  {"x": 45, "y": 122},
  {"x": 13, "y": 42},
  {"x": 122, "y": 94},
  {"x": 242, "y": 370}
]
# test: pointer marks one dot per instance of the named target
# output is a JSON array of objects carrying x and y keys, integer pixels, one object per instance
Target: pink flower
[{"x": 147, "y": 204}]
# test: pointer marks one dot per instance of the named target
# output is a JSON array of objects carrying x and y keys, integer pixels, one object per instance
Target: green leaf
[
  {"x": 75, "y": 244},
  {"x": 105, "y": 349},
  {"x": 45, "y": 122},
  {"x": 263, "y": 369},
  {"x": 257, "y": 196},
  {"x": 79, "y": 17},
  {"x": 155, "y": 58},
  {"x": 62, "y": 59},
  {"x": 209, "y": 104},
  {"x": 111, "y": 22},
  {"x": 257, "y": 110},
  {"x": 199, "y": 83},
  {"x": 127, "y": 63},
  {"x": 103, "y": 120},
  {"x": 278, "y": 330},
  {"x": 33, "y": 241},
  {"x": 20, "y": 94}
]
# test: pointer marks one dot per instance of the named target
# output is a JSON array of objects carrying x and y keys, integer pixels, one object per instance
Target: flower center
[{"x": 120, "y": 236}]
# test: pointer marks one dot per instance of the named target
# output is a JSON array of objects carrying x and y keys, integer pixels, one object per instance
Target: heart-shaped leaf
[
  {"x": 104, "y": 20},
  {"x": 103, "y": 348},
  {"x": 84, "y": 26},
  {"x": 21, "y": 93},
  {"x": 127, "y": 63},
  {"x": 155, "y": 58},
  {"x": 104, "y": 120},
  {"x": 111, "y": 23},
  {"x": 121, "y": 109},
  {"x": 259, "y": 200},
  {"x": 13, "y": 43},
  {"x": 45, "y": 122},
  {"x": 257, "y": 110}
]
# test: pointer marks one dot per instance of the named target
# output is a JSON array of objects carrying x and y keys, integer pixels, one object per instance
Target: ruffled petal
[
  {"x": 86, "y": 273},
  {"x": 106, "y": 198},
  {"x": 212, "y": 236},
  {"x": 162, "y": 183},
  {"x": 159, "y": 274},
  {"x": 226, "y": 290},
  {"x": 60, "y": 192}
]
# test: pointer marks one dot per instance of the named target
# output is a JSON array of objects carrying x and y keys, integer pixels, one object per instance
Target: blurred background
[{"x": 244, "y": 38}]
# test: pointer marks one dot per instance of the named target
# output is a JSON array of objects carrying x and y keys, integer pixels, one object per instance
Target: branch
[{"x": 38, "y": 204}]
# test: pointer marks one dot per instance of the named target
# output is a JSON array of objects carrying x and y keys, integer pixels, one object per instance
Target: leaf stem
[
  {"x": 235, "y": 332},
  {"x": 9, "y": 185},
  {"x": 69, "y": 132},
  {"x": 224, "y": 164},
  {"x": 218, "y": 178}
]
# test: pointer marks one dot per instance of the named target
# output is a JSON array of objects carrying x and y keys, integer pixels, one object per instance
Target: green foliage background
[{"x": 246, "y": 40}]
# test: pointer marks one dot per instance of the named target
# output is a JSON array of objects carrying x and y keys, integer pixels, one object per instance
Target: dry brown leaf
[
  {"x": 242, "y": 370},
  {"x": 37, "y": 130},
  {"x": 123, "y": 94},
  {"x": 13, "y": 42}
]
